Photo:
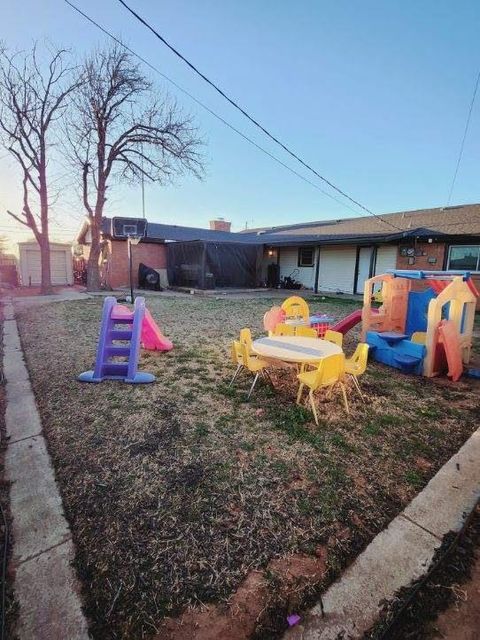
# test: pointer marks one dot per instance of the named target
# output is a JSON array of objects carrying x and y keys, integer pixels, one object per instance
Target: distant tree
[
  {"x": 120, "y": 130},
  {"x": 33, "y": 96}
]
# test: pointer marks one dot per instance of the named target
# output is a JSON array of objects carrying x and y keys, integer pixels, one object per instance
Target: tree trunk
[
  {"x": 93, "y": 269},
  {"x": 93, "y": 266},
  {"x": 46, "y": 286},
  {"x": 46, "y": 281}
]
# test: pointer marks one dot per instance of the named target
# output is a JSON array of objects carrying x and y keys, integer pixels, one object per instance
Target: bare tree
[
  {"x": 33, "y": 96},
  {"x": 121, "y": 131}
]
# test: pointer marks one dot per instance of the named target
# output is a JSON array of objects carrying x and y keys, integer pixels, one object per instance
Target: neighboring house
[
  {"x": 339, "y": 255},
  {"x": 326, "y": 256},
  {"x": 61, "y": 264}
]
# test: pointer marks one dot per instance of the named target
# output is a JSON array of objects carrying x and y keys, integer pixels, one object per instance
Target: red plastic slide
[
  {"x": 152, "y": 338},
  {"x": 349, "y": 322}
]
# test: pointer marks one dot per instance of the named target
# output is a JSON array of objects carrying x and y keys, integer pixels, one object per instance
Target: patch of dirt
[{"x": 284, "y": 580}]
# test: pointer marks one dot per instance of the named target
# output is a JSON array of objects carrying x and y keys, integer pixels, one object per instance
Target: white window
[
  {"x": 306, "y": 256},
  {"x": 464, "y": 258}
]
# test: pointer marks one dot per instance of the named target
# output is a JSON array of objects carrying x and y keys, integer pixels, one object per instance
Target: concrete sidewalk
[{"x": 45, "y": 583}]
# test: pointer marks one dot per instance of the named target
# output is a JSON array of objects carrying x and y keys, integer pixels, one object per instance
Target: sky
[{"x": 373, "y": 94}]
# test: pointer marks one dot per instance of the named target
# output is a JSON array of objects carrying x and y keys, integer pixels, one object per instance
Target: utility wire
[
  {"x": 462, "y": 145},
  {"x": 249, "y": 117},
  {"x": 208, "y": 109}
]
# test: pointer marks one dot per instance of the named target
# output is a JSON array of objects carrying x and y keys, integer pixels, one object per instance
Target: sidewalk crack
[{"x": 421, "y": 527}]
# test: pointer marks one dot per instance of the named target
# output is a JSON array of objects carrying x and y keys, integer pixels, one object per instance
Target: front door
[{"x": 364, "y": 264}]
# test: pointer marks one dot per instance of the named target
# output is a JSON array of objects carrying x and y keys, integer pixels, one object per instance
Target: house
[
  {"x": 61, "y": 265},
  {"x": 339, "y": 255},
  {"x": 325, "y": 256}
]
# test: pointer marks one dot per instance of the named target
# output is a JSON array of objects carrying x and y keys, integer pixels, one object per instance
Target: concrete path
[
  {"x": 45, "y": 583},
  {"x": 61, "y": 296},
  {"x": 398, "y": 555}
]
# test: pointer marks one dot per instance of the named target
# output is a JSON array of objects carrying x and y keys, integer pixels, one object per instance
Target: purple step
[
  {"x": 115, "y": 369},
  {"x": 122, "y": 320},
  {"x": 116, "y": 334},
  {"x": 112, "y": 352}
]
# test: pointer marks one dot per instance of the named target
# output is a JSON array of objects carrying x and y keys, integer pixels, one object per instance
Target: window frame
[
  {"x": 459, "y": 246},
  {"x": 299, "y": 257}
]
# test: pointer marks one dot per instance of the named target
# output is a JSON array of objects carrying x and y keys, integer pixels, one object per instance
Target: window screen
[{"x": 306, "y": 256}]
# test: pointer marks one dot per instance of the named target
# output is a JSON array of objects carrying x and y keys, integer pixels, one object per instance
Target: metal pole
[
  {"x": 130, "y": 268},
  {"x": 143, "y": 183}
]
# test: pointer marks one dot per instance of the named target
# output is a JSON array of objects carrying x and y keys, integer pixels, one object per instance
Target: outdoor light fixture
[{"x": 270, "y": 252}]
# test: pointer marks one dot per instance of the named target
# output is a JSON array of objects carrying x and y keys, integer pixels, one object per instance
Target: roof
[
  {"x": 174, "y": 232},
  {"x": 460, "y": 220}
]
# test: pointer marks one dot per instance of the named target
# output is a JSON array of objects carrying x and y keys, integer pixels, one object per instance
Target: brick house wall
[
  {"x": 153, "y": 255},
  {"x": 436, "y": 250}
]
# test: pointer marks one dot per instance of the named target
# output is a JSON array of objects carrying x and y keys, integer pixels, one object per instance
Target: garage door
[
  {"x": 337, "y": 269},
  {"x": 58, "y": 266},
  {"x": 33, "y": 270},
  {"x": 386, "y": 259}
]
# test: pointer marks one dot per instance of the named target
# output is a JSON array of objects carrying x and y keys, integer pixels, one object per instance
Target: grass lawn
[{"x": 179, "y": 491}]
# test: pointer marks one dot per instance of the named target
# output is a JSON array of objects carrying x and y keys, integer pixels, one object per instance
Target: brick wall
[
  {"x": 152, "y": 255},
  {"x": 433, "y": 250}
]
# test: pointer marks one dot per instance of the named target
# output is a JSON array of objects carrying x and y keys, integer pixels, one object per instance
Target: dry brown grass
[{"x": 175, "y": 491}]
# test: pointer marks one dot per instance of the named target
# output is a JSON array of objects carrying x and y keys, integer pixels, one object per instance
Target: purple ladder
[{"x": 124, "y": 328}]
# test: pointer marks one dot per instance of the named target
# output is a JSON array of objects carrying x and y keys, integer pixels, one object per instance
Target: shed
[{"x": 60, "y": 263}]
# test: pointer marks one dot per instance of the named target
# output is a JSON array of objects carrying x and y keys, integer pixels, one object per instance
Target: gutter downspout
[{"x": 317, "y": 270}]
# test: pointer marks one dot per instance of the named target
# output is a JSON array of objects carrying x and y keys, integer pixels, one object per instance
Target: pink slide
[
  {"x": 348, "y": 322},
  {"x": 152, "y": 338}
]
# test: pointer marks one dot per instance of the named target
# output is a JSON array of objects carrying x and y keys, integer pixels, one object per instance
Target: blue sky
[{"x": 373, "y": 94}]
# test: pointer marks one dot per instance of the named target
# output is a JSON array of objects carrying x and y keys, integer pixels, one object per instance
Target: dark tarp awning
[{"x": 207, "y": 265}]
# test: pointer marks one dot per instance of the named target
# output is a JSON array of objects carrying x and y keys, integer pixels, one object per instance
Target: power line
[
  {"x": 208, "y": 109},
  {"x": 462, "y": 145},
  {"x": 249, "y": 117}
]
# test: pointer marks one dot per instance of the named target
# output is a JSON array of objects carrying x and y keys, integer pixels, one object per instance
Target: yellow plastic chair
[
  {"x": 334, "y": 336},
  {"x": 420, "y": 337},
  {"x": 284, "y": 330},
  {"x": 250, "y": 361},
  {"x": 329, "y": 373},
  {"x": 237, "y": 359},
  {"x": 305, "y": 332},
  {"x": 357, "y": 365},
  {"x": 296, "y": 307}
]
